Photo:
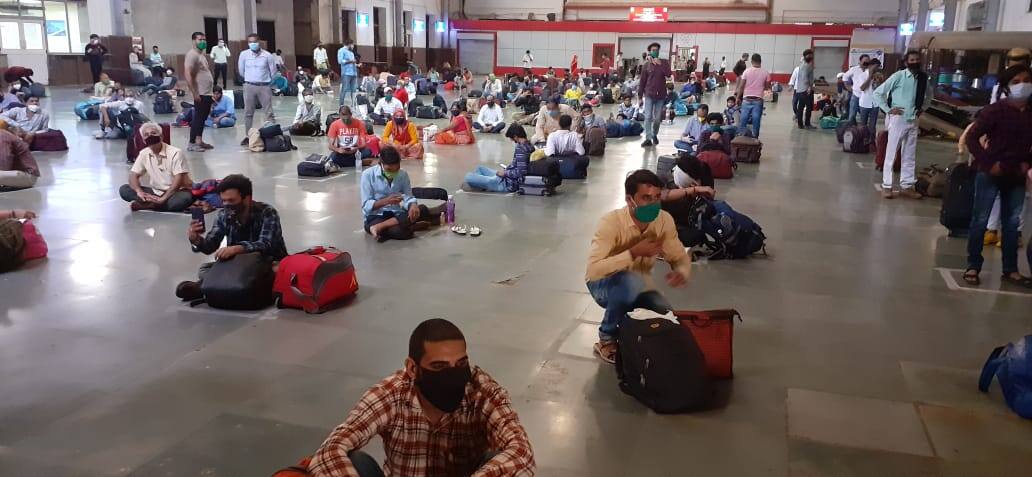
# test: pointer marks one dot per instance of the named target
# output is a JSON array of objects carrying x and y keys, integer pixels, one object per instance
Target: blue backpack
[
  {"x": 1012, "y": 365},
  {"x": 727, "y": 233},
  {"x": 87, "y": 110},
  {"x": 680, "y": 108}
]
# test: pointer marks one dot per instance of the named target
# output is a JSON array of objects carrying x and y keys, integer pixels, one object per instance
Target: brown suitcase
[
  {"x": 881, "y": 142},
  {"x": 746, "y": 149}
]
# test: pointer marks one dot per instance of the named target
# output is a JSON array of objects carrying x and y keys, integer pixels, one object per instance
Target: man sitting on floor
[
  {"x": 26, "y": 121},
  {"x": 346, "y": 139},
  {"x": 223, "y": 114},
  {"x": 18, "y": 169},
  {"x": 308, "y": 116},
  {"x": 628, "y": 109},
  {"x": 166, "y": 170},
  {"x": 386, "y": 107},
  {"x": 564, "y": 142},
  {"x": 491, "y": 118},
  {"x": 623, "y": 251},
  {"x": 548, "y": 120},
  {"x": 457, "y": 416},
  {"x": 531, "y": 104},
  {"x": 692, "y": 133},
  {"x": 510, "y": 178},
  {"x": 593, "y": 130},
  {"x": 247, "y": 226},
  {"x": 110, "y": 110},
  {"x": 390, "y": 210}
]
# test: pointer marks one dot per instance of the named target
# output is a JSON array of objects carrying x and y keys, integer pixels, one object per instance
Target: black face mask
[
  {"x": 915, "y": 67},
  {"x": 445, "y": 388},
  {"x": 399, "y": 121},
  {"x": 235, "y": 211},
  {"x": 152, "y": 140},
  {"x": 808, "y": 59}
]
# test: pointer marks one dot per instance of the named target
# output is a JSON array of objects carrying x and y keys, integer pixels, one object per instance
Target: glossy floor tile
[{"x": 848, "y": 321}]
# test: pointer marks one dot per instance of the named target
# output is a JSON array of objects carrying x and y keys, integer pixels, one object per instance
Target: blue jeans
[
  {"x": 752, "y": 113},
  {"x": 365, "y": 464},
  {"x": 683, "y": 145},
  {"x": 497, "y": 128},
  {"x": 854, "y": 108},
  {"x": 1012, "y": 200},
  {"x": 869, "y": 116},
  {"x": 487, "y": 179},
  {"x": 348, "y": 85},
  {"x": 621, "y": 293},
  {"x": 652, "y": 109},
  {"x": 226, "y": 122}
]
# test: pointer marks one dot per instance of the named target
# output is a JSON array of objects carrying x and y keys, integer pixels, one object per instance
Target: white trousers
[
  {"x": 994, "y": 215},
  {"x": 900, "y": 130},
  {"x": 17, "y": 179}
]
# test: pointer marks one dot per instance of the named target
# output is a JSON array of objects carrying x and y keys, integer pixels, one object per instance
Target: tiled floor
[{"x": 855, "y": 357}]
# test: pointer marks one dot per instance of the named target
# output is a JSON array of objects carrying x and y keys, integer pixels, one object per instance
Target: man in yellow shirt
[{"x": 623, "y": 251}]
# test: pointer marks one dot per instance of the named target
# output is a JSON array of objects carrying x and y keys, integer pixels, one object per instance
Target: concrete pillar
[
  {"x": 949, "y": 15},
  {"x": 329, "y": 21},
  {"x": 241, "y": 19},
  {"x": 107, "y": 17},
  {"x": 904, "y": 17},
  {"x": 921, "y": 24}
]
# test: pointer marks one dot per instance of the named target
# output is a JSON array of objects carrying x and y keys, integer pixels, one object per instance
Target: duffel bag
[
  {"x": 315, "y": 279},
  {"x": 746, "y": 149},
  {"x": 574, "y": 167},
  {"x": 313, "y": 166},
  {"x": 281, "y": 143},
  {"x": 241, "y": 283},
  {"x": 720, "y": 164},
  {"x": 714, "y": 332},
  {"x": 49, "y": 140},
  {"x": 660, "y": 365}
]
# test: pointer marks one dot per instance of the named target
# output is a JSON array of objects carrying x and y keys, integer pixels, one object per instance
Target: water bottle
[{"x": 449, "y": 210}]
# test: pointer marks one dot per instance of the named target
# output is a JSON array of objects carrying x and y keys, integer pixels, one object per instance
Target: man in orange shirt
[{"x": 347, "y": 139}]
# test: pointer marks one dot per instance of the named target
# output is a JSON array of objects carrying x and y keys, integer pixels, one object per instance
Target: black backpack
[
  {"x": 607, "y": 96},
  {"x": 475, "y": 93},
  {"x": 330, "y": 119},
  {"x": 958, "y": 199},
  {"x": 270, "y": 131},
  {"x": 130, "y": 119},
  {"x": 163, "y": 103},
  {"x": 428, "y": 112},
  {"x": 439, "y": 102},
  {"x": 413, "y": 106},
  {"x": 660, "y": 364},
  {"x": 242, "y": 283},
  {"x": 281, "y": 143}
]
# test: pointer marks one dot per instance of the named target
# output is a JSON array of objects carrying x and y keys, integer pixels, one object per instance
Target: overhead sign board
[{"x": 649, "y": 14}]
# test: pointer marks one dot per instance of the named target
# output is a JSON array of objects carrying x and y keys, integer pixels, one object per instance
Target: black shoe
[
  {"x": 243, "y": 142},
  {"x": 646, "y": 143},
  {"x": 810, "y": 126},
  {"x": 189, "y": 291}
]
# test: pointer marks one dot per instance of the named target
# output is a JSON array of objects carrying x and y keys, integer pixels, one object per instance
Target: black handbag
[{"x": 241, "y": 283}]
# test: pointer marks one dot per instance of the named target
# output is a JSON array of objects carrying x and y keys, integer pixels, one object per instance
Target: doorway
[
  {"x": 347, "y": 25},
  {"x": 828, "y": 61},
  {"x": 267, "y": 32},
  {"x": 379, "y": 26},
  {"x": 477, "y": 55}
]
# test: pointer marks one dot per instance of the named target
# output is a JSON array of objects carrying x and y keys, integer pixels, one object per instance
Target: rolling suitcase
[
  {"x": 958, "y": 200},
  {"x": 315, "y": 279},
  {"x": 881, "y": 142},
  {"x": 746, "y": 149}
]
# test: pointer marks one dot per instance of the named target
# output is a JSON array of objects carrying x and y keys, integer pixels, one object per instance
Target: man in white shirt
[
  {"x": 26, "y": 121},
  {"x": 320, "y": 58},
  {"x": 854, "y": 78},
  {"x": 491, "y": 118},
  {"x": 564, "y": 142},
  {"x": 528, "y": 60},
  {"x": 110, "y": 110},
  {"x": 167, "y": 172},
  {"x": 220, "y": 56},
  {"x": 872, "y": 78},
  {"x": 385, "y": 107},
  {"x": 492, "y": 86}
]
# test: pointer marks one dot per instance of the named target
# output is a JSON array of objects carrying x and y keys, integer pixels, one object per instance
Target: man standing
[
  {"x": 198, "y": 76},
  {"x": 653, "y": 93},
  {"x": 95, "y": 52},
  {"x": 605, "y": 66},
  {"x": 167, "y": 172},
  {"x": 348, "y": 71},
  {"x": 706, "y": 65},
  {"x": 623, "y": 252},
  {"x": 220, "y": 56},
  {"x": 437, "y": 416},
  {"x": 740, "y": 66},
  {"x": 802, "y": 99},
  {"x": 321, "y": 59},
  {"x": 723, "y": 66},
  {"x": 907, "y": 90},
  {"x": 754, "y": 82},
  {"x": 528, "y": 61},
  {"x": 258, "y": 67},
  {"x": 854, "y": 79},
  {"x": 618, "y": 64}
]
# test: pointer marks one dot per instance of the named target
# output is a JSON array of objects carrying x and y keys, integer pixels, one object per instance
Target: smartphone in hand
[{"x": 197, "y": 214}]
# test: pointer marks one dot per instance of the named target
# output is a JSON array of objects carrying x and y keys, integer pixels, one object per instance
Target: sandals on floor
[
  {"x": 1024, "y": 282},
  {"x": 474, "y": 231},
  {"x": 459, "y": 229},
  {"x": 972, "y": 280},
  {"x": 606, "y": 352}
]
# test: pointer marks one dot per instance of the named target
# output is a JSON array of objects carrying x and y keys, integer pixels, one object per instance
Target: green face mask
[
  {"x": 202, "y": 45},
  {"x": 390, "y": 175},
  {"x": 647, "y": 213},
  {"x": 654, "y": 54}
]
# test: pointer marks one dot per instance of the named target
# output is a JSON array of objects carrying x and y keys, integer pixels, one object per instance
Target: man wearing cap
[{"x": 385, "y": 107}]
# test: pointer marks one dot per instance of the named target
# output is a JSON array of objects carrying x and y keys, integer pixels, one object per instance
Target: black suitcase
[
  {"x": 958, "y": 199},
  {"x": 665, "y": 169},
  {"x": 574, "y": 167},
  {"x": 427, "y": 112},
  {"x": 413, "y": 107},
  {"x": 241, "y": 283},
  {"x": 238, "y": 100},
  {"x": 660, "y": 364},
  {"x": 536, "y": 185},
  {"x": 542, "y": 177}
]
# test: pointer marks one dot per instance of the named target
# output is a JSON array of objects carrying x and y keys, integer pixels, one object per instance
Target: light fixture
[
  {"x": 362, "y": 19},
  {"x": 439, "y": 27},
  {"x": 906, "y": 29},
  {"x": 936, "y": 19},
  {"x": 419, "y": 25}
]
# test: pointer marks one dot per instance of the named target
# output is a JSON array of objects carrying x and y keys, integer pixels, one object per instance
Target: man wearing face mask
[
  {"x": 653, "y": 93},
  {"x": 110, "y": 110},
  {"x": 348, "y": 71},
  {"x": 26, "y": 121},
  {"x": 593, "y": 131},
  {"x": 220, "y": 56},
  {"x": 802, "y": 98},
  {"x": 390, "y": 210},
  {"x": 94, "y": 53},
  {"x": 347, "y": 139},
  {"x": 908, "y": 91},
  {"x": 548, "y": 119},
  {"x": 491, "y": 118},
  {"x": 199, "y": 78},
  {"x": 854, "y": 79},
  {"x": 531, "y": 104},
  {"x": 307, "y": 119},
  {"x": 623, "y": 251},
  {"x": 245, "y": 224},
  {"x": 438, "y": 416},
  {"x": 257, "y": 67},
  {"x": 167, "y": 172}
]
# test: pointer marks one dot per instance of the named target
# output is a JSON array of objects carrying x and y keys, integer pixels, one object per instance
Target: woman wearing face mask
[
  {"x": 1002, "y": 167},
  {"x": 402, "y": 134},
  {"x": 307, "y": 118},
  {"x": 458, "y": 131}
]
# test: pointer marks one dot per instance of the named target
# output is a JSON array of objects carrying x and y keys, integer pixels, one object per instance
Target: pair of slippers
[{"x": 472, "y": 230}]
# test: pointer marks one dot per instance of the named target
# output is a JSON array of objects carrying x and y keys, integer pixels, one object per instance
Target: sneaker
[
  {"x": 195, "y": 148},
  {"x": 606, "y": 351},
  {"x": 646, "y": 143},
  {"x": 887, "y": 194},
  {"x": 207, "y": 146},
  {"x": 911, "y": 194},
  {"x": 189, "y": 291},
  {"x": 991, "y": 237}
]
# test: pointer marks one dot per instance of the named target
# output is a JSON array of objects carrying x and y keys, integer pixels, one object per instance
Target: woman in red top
[
  {"x": 458, "y": 130},
  {"x": 573, "y": 66},
  {"x": 1001, "y": 167},
  {"x": 347, "y": 140}
]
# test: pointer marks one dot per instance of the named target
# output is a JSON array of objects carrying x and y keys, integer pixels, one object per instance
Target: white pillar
[
  {"x": 949, "y": 15},
  {"x": 241, "y": 19},
  {"x": 922, "y": 16},
  {"x": 107, "y": 17}
]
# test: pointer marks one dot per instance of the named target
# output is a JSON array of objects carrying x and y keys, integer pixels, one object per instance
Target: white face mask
[
  {"x": 309, "y": 99},
  {"x": 1019, "y": 92},
  {"x": 33, "y": 108},
  {"x": 130, "y": 101}
]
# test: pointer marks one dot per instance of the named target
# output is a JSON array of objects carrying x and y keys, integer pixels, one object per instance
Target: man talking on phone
[
  {"x": 652, "y": 91},
  {"x": 246, "y": 224}
]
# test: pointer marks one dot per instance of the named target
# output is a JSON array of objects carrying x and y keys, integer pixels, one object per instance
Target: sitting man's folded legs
[{"x": 17, "y": 179}]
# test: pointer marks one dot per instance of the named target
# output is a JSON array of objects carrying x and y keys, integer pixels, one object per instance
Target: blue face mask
[{"x": 254, "y": 46}]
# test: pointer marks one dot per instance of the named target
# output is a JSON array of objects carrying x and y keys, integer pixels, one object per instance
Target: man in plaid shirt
[
  {"x": 438, "y": 417},
  {"x": 247, "y": 225}
]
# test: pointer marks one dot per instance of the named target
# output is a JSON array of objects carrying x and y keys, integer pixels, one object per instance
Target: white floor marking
[{"x": 951, "y": 283}]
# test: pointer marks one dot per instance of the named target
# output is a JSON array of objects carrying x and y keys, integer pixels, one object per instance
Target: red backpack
[
  {"x": 314, "y": 279},
  {"x": 720, "y": 164}
]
